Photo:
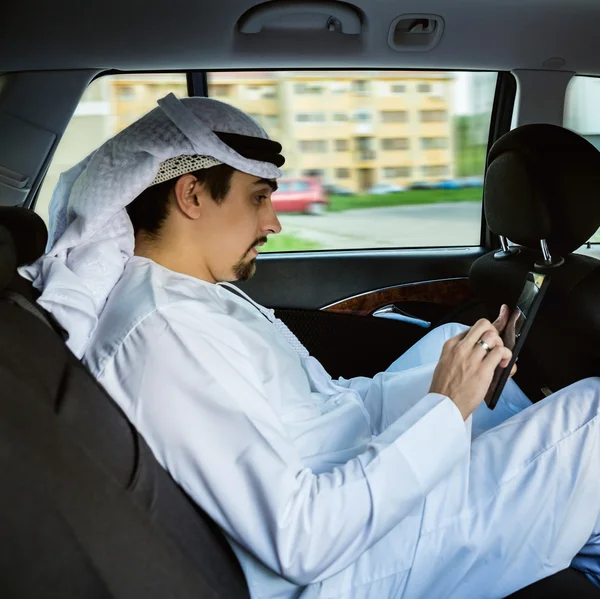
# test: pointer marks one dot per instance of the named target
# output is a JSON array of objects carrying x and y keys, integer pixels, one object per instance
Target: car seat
[
  {"x": 541, "y": 193},
  {"x": 85, "y": 510}
]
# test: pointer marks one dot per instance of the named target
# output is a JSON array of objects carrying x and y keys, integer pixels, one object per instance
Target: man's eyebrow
[{"x": 269, "y": 182}]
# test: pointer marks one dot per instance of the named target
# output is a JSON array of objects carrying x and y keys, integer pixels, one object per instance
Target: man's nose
[{"x": 271, "y": 222}]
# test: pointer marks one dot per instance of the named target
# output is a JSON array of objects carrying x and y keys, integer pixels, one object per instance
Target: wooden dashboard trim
[{"x": 447, "y": 292}]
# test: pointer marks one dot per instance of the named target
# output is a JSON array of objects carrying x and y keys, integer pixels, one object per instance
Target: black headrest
[
  {"x": 543, "y": 182},
  {"x": 28, "y": 232}
]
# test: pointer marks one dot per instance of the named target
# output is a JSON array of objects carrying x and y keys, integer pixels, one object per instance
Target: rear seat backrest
[{"x": 86, "y": 510}]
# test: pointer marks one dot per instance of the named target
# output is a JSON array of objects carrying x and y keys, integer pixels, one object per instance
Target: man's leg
[
  {"x": 428, "y": 350},
  {"x": 520, "y": 509},
  {"x": 532, "y": 502}
]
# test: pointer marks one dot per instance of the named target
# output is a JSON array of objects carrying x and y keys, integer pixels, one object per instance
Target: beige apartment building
[{"x": 350, "y": 128}]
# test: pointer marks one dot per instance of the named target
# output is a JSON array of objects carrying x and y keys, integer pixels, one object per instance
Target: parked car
[
  {"x": 304, "y": 194},
  {"x": 472, "y": 181},
  {"x": 384, "y": 188},
  {"x": 421, "y": 185},
  {"x": 447, "y": 184},
  {"x": 337, "y": 190}
]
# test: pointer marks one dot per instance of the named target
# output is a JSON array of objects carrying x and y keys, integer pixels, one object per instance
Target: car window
[
  {"x": 398, "y": 156},
  {"x": 384, "y": 158},
  {"x": 110, "y": 104},
  {"x": 582, "y": 116},
  {"x": 301, "y": 186}
]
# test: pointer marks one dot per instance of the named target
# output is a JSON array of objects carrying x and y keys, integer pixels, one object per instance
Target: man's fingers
[
  {"x": 500, "y": 322},
  {"x": 499, "y": 356},
  {"x": 475, "y": 333},
  {"x": 514, "y": 317},
  {"x": 513, "y": 370},
  {"x": 453, "y": 341},
  {"x": 491, "y": 338}
]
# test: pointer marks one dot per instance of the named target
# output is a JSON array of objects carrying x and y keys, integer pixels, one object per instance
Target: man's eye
[{"x": 260, "y": 198}]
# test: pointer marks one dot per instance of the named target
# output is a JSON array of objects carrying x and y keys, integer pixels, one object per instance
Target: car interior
[{"x": 86, "y": 511}]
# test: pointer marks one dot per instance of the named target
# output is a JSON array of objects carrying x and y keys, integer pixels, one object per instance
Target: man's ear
[{"x": 188, "y": 195}]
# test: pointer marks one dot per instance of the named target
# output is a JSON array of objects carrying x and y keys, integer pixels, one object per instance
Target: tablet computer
[{"x": 519, "y": 323}]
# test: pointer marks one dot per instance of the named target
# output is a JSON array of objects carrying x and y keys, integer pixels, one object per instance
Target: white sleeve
[
  {"x": 389, "y": 395},
  {"x": 206, "y": 417}
]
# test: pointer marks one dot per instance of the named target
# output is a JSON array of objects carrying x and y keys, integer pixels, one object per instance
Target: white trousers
[{"x": 524, "y": 504}]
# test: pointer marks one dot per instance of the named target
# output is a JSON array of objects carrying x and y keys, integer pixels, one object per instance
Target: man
[{"x": 354, "y": 488}]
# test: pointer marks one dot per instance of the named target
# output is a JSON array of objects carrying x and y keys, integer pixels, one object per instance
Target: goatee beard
[{"x": 244, "y": 270}]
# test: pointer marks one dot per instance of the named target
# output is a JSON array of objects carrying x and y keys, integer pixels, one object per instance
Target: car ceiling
[{"x": 202, "y": 34}]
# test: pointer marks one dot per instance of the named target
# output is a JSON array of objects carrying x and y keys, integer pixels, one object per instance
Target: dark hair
[{"x": 150, "y": 209}]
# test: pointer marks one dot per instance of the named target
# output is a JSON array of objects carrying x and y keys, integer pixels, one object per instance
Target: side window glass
[
  {"x": 583, "y": 116},
  {"x": 375, "y": 158}
]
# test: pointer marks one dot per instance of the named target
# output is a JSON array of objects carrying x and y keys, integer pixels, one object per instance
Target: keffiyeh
[{"x": 91, "y": 237}]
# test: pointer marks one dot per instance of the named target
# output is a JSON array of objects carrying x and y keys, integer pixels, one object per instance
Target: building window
[
  {"x": 312, "y": 145},
  {"x": 361, "y": 86},
  {"x": 395, "y": 143},
  {"x": 341, "y": 145},
  {"x": 309, "y": 88},
  {"x": 433, "y": 116},
  {"x": 424, "y": 88},
  {"x": 340, "y": 87},
  {"x": 310, "y": 117},
  {"x": 392, "y": 172},
  {"x": 434, "y": 143},
  {"x": 126, "y": 92},
  {"x": 435, "y": 170},
  {"x": 394, "y": 116},
  {"x": 271, "y": 121},
  {"x": 340, "y": 117},
  {"x": 398, "y": 88},
  {"x": 302, "y": 185},
  {"x": 363, "y": 116},
  {"x": 342, "y": 173}
]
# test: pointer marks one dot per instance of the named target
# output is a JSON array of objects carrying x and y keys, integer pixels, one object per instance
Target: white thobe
[{"x": 353, "y": 488}]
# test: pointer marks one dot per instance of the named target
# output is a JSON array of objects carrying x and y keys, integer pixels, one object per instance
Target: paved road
[{"x": 456, "y": 223}]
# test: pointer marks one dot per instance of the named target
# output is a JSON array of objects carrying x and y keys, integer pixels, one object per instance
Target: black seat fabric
[
  {"x": 542, "y": 183},
  {"x": 85, "y": 509},
  {"x": 86, "y": 512}
]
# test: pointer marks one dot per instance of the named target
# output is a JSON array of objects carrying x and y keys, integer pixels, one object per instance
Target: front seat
[
  {"x": 86, "y": 512},
  {"x": 543, "y": 185}
]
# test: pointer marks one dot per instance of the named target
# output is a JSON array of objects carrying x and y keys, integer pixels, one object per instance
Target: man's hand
[
  {"x": 466, "y": 368},
  {"x": 502, "y": 320},
  {"x": 506, "y": 324}
]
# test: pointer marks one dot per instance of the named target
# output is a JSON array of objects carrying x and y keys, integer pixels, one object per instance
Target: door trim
[{"x": 446, "y": 292}]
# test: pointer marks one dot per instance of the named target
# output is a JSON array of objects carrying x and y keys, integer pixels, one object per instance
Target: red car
[{"x": 304, "y": 194}]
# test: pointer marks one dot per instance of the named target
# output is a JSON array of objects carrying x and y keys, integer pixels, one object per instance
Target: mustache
[{"x": 256, "y": 242}]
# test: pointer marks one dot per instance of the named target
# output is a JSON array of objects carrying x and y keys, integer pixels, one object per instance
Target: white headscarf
[{"x": 91, "y": 236}]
